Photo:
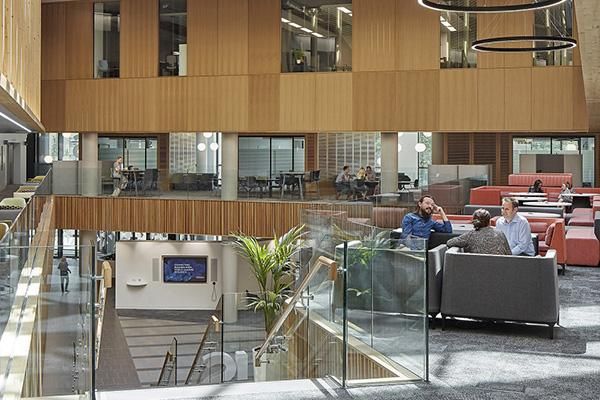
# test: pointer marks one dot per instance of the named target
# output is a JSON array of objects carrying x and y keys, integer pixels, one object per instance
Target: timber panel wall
[
  {"x": 235, "y": 84},
  {"x": 20, "y": 49},
  {"x": 210, "y": 217}
]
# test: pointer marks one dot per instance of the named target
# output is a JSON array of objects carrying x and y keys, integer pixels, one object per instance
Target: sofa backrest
[
  {"x": 388, "y": 217},
  {"x": 548, "y": 179},
  {"x": 435, "y": 265},
  {"x": 512, "y": 288}
]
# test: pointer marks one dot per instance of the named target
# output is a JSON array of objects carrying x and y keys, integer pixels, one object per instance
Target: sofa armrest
[{"x": 435, "y": 266}]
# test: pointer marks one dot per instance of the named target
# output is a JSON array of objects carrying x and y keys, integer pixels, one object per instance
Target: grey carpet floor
[{"x": 473, "y": 360}]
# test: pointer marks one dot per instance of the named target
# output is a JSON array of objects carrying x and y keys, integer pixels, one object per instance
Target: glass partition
[
  {"x": 316, "y": 36},
  {"x": 457, "y": 32},
  {"x": 172, "y": 37},
  {"x": 107, "y": 26},
  {"x": 554, "y": 21}
]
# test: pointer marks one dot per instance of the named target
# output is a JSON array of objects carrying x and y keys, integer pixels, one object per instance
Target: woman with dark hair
[
  {"x": 536, "y": 187},
  {"x": 565, "y": 190},
  {"x": 483, "y": 239}
]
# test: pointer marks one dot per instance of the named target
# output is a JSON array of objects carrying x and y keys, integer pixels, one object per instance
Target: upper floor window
[
  {"x": 457, "y": 32},
  {"x": 107, "y": 20},
  {"x": 554, "y": 21},
  {"x": 316, "y": 36},
  {"x": 172, "y": 49}
]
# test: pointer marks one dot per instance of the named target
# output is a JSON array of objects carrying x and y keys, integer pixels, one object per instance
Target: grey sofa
[
  {"x": 435, "y": 265},
  {"x": 501, "y": 288}
]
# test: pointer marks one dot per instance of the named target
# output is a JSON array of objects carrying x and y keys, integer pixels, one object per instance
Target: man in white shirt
[{"x": 515, "y": 228}]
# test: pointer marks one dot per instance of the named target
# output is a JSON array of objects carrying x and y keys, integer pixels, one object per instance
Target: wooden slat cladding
[
  {"x": 202, "y": 37},
  {"x": 210, "y": 217},
  {"x": 79, "y": 34},
  {"x": 53, "y": 41},
  {"x": 484, "y": 145},
  {"x": 264, "y": 30},
  {"x": 457, "y": 147},
  {"x": 374, "y": 35},
  {"x": 417, "y": 37},
  {"x": 20, "y": 59},
  {"x": 233, "y": 37},
  {"x": 139, "y": 38}
]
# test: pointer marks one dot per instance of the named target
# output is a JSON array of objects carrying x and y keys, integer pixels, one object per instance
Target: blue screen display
[{"x": 190, "y": 269}]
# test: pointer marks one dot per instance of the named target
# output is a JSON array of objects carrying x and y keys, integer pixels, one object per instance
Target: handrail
[
  {"x": 170, "y": 356},
  {"x": 214, "y": 321},
  {"x": 291, "y": 302}
]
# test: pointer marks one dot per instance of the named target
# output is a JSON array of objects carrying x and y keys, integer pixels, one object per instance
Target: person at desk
[
  {"x": 360, "y": 187},
  {"x": 119, "y": 179},
  {"x": 483, "y": 239},
  {"x": 419, "y": 223},
  {"x": 370, "y": 176},
  {"x": 516, "y": 228},
  {"x": 536, "y": 187},
  {"x": 342, "y": 183},
  {"x": 565, "y": 190}
]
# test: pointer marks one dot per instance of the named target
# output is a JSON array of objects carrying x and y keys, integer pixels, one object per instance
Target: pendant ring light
[
  {"x": 489, "y": 45},
  {"x": 525, "y": 6}
]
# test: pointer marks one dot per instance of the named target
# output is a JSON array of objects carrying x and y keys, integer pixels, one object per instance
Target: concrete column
[
  {"x": 229, "y": 185},
  {"x": 389, "y": 162},
  {"x": 89, "y": 167},
  {"x": 229, "y": 275},
  {"x": 437, "y": 148},
  {"x": 85, "y": 254}
]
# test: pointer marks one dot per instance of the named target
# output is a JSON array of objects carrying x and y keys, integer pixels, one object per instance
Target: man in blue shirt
[
  {"x": 515, "y": 228},
  {"x": 420, "y": 223}
]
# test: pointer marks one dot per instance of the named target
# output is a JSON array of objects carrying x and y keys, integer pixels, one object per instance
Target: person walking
[{"x": 63, "y": 267}]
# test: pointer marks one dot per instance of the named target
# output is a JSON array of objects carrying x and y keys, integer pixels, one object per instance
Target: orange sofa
[{"x": 548, "y": 179}]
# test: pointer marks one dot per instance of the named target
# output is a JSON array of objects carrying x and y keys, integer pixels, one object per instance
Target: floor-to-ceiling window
[
  {"x": 579, "y": 146},
  {"x": 107, "y": 25},
  {"x": 55, "y": 146},
  {"x": 137, "y": 152},
  {"x": 270, "y": 156},
  {"x": 172, "y": 37},
  {"x": 554, "y": 21},
  {"x": 316, "y": 36}
]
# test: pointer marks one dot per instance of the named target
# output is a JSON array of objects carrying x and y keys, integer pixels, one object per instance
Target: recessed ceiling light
[
  {"x": 295, "y": 25},
  {"x": 284, "y": 20},
  {"x": 344, "y": 10},
  {"x": 306, "y": 30},
  {"x": 317, "y": 35}
]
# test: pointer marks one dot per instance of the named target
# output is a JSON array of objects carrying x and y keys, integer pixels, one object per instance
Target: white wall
[{"x": 134, "y": 259}]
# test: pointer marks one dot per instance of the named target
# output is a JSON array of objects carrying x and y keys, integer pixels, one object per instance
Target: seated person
[
  {"x": 342, "y": 183},
  {"x": 536, "y": 187},
  {"x": 483, "y": 239},
  {"x": 372, "y": 185},
  {"x": 370, "y": 174},
  {"x": 565, "y": 190},
  {"x": 515, "y": 228},
  {"x": 359, "y": 186},
  {"x": 419, "y": 223}
]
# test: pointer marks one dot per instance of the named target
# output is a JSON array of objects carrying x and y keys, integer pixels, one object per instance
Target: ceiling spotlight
[
  {"x": 214, "y": 146},
  {"x": 201, "y": 147},
  {"x": 48, "y": 159},
  {"x": 427, "y": 134},
  {"x": 207, "y": 135}
]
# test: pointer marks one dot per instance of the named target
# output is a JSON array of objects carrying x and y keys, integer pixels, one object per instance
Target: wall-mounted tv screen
[{"x": 184, "y": 269}]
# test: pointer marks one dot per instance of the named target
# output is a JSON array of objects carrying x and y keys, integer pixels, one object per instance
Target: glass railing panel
[{"x": 391, "y": 319}]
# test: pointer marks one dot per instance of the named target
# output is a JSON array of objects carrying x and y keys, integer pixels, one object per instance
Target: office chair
[
  {"x": 171, "y": 64},
  {"x": 102, "y": 68}
]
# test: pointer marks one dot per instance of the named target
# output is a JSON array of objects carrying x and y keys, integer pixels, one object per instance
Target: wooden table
[
  {"x": 528, "y": 194},
  {"x": 547, "y": 204},
  {"x": 533, "y": 214}
]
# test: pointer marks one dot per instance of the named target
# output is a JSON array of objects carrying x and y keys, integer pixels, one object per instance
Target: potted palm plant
[{"x": 273, "y": 266}]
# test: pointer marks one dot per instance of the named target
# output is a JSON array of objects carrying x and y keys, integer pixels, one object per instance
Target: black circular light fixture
[
  {"x": 440, "y": 5},
  {"x": 553, "y": 43}
]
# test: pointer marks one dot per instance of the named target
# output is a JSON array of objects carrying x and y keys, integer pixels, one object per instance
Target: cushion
[
  {"x": 550, "y": 233},
  {"x": 15, "y": 202}
]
